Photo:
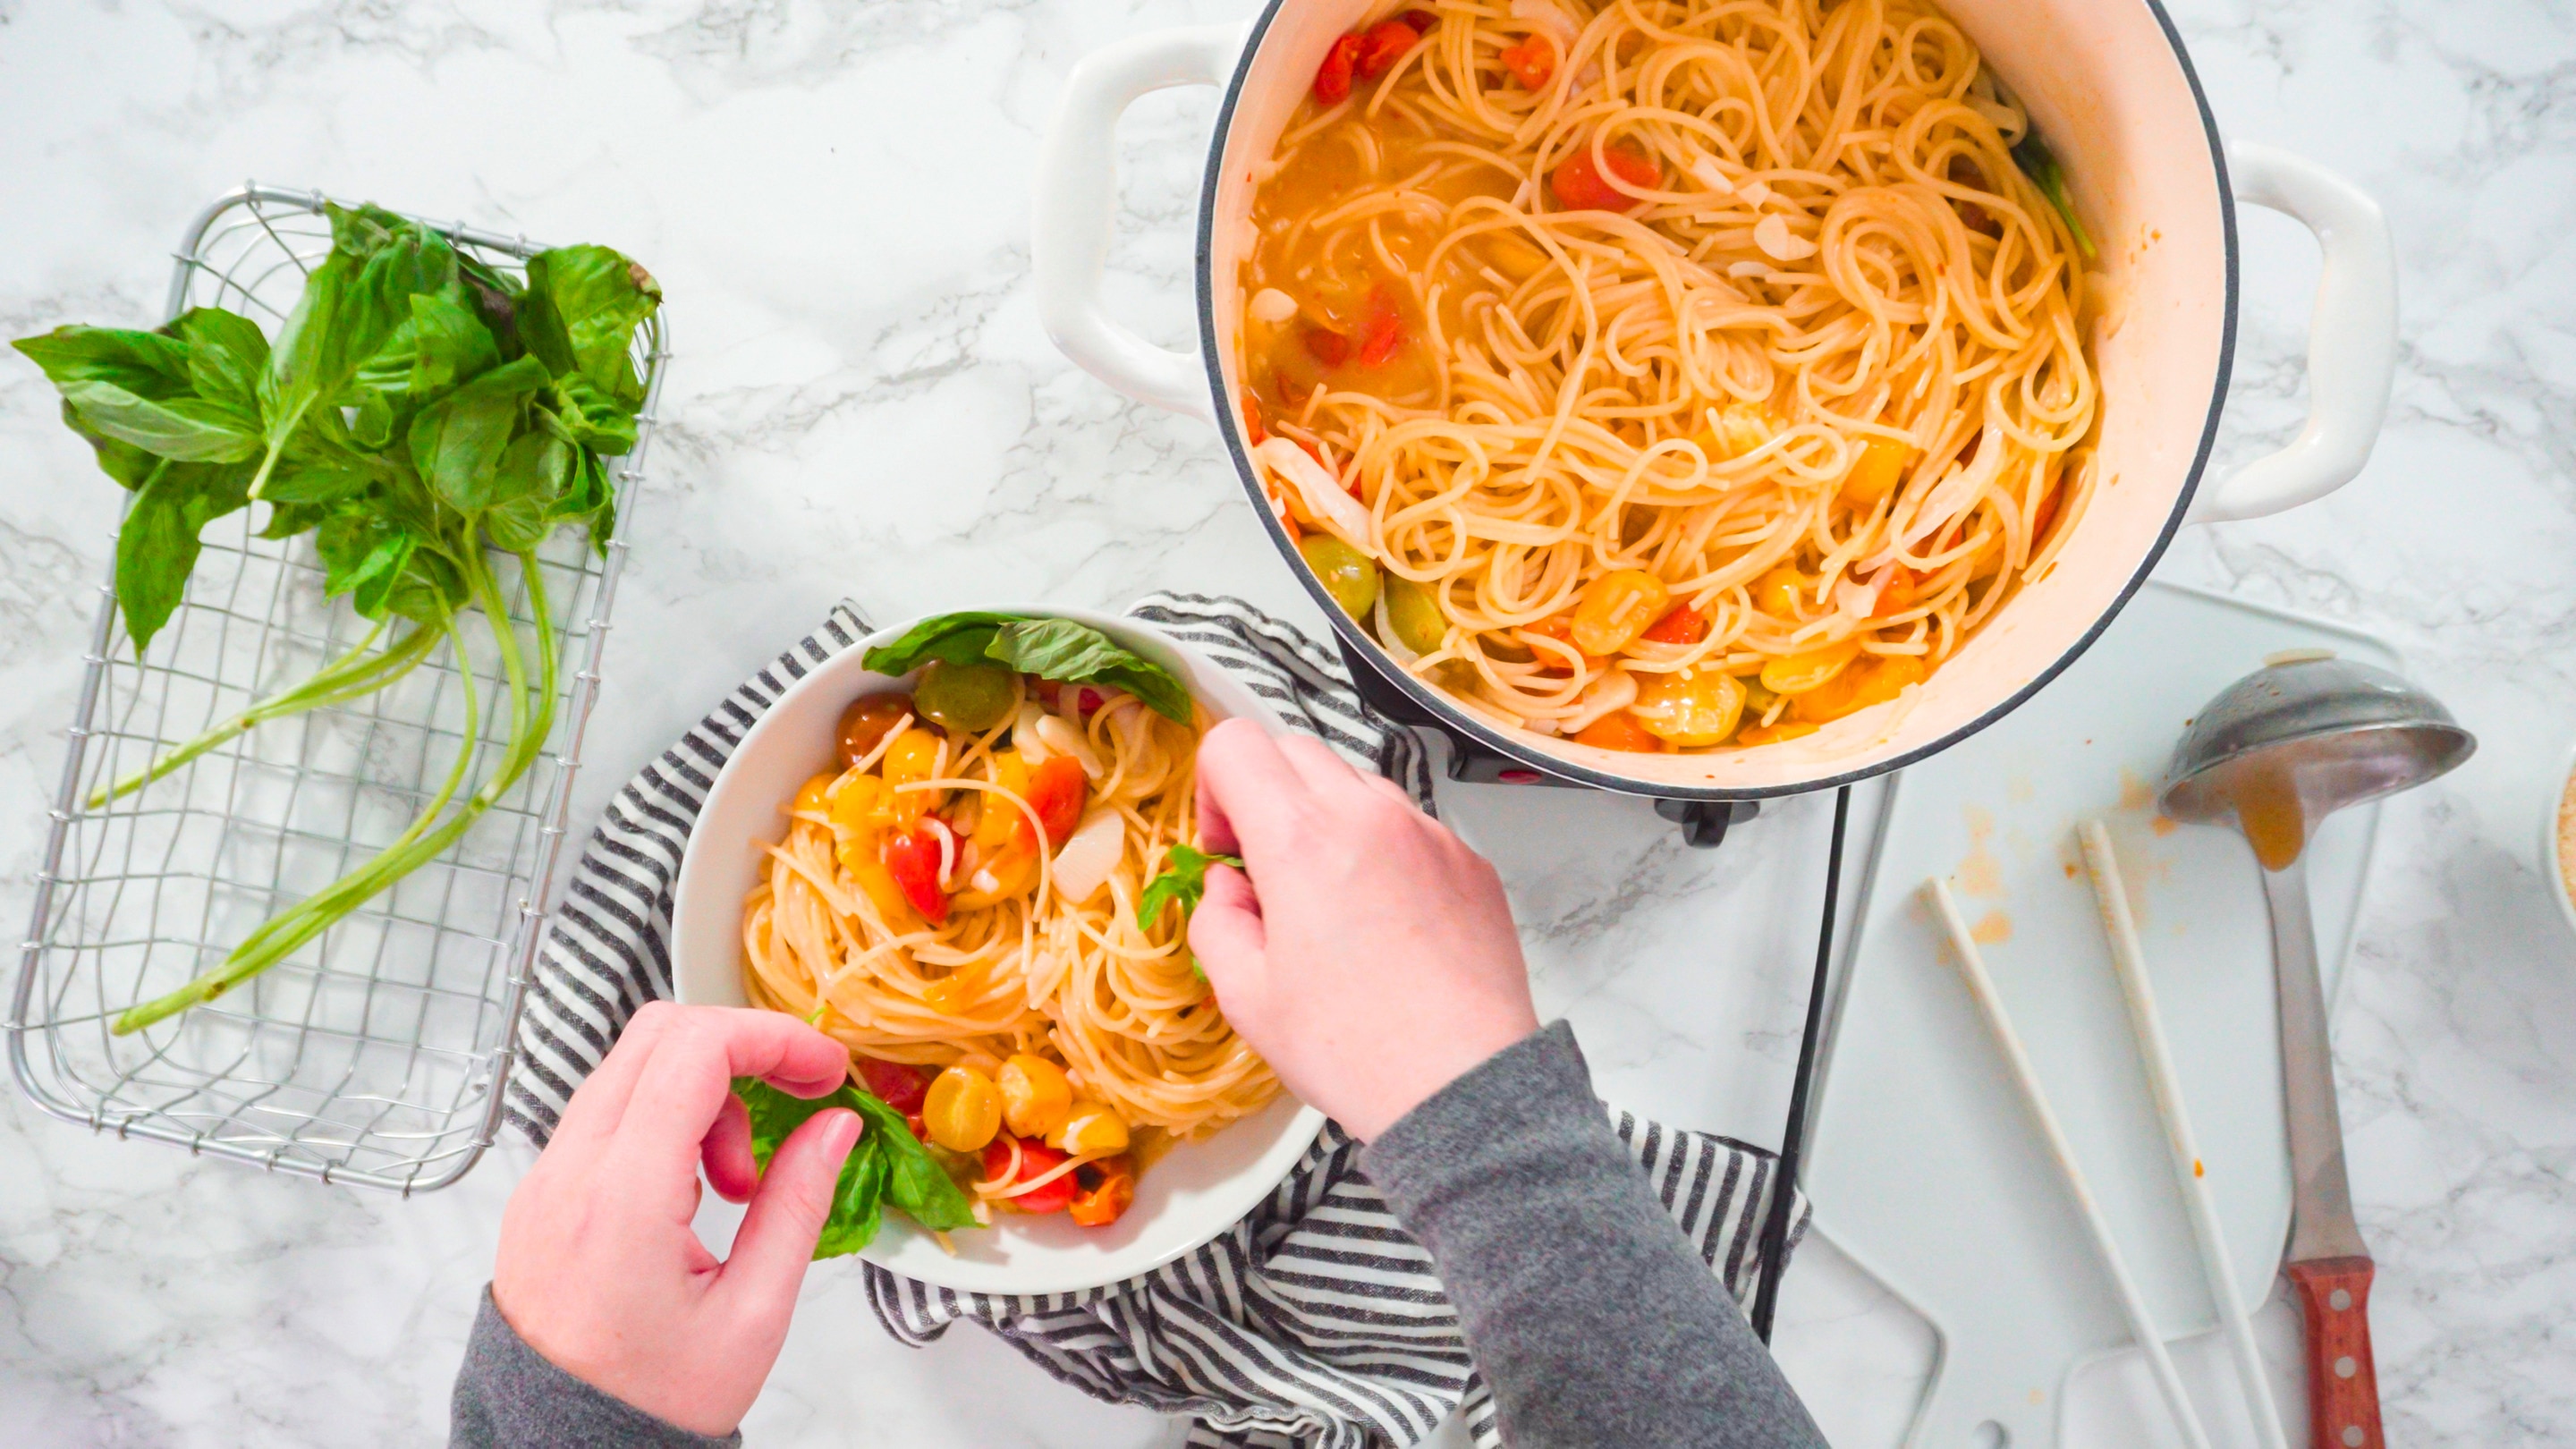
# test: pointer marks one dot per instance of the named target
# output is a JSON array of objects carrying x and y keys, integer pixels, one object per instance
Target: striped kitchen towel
[{"x": 1316, "y": 1322}]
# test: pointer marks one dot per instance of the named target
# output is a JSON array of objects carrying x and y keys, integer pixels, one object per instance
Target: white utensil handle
[
  {"x": 1077, "y": 198},
  {"x": 2164, "y": 1083},
  {"x": 2352, "y": 339},
  {"x": 1990, "y": 1005}
]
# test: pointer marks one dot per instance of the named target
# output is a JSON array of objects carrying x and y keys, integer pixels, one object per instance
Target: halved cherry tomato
[
  {"x": 1895, "y": 592},
  {"x": 913, "y": 857},
  {"x": 1328, "y": 346},
  {"x": 1560, "y": 627},
  {"x": 1057, "y": 792},
  {"x": 1252, "y": 429},
  {"x": 1385, "y": 43},
  {"x": 893, "y": 1083},
  {"x": 1420, "y": 20},
  {"x": 1099, "y": 1205},
  {"x": 1333, "y": 77},
  {"x": 1381, "y": 326},
  {"x": 1579, "y": 186},
  {"x": 1036, "y": 1160},
  {"x": 1681, "y": 625},
  {"x": 1532, "y": 62},
  {"x": 1619, "y": 730}
]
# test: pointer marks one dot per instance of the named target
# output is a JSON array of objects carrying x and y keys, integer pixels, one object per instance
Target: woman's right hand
[{"x": 1370, "y": 957}]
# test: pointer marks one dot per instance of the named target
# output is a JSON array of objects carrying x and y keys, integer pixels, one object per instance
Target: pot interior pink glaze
[{"x": 2109, "y": 88}]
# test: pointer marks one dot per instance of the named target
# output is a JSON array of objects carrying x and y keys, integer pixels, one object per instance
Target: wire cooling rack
[{"x": 377, "y": 1053}]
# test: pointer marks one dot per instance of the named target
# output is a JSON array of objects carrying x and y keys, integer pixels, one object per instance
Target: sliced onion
[
  {"x": 1772, "y": 234},
  {"x": 1855, "y": 598},
  {"x": 1273, "y": 306},
  {"x": 1705, "y": 171},
  {"x": 1336, "y": 509},
  {"x": 1089, "y": 855},
  {"x": 1609, "y": 694},
  {"x": 1065, "y": 739},
  {"x": 1025, "y": 737},
  {"x": 1754, "y": 192}
]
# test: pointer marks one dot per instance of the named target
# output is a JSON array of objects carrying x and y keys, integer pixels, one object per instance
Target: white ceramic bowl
[
  {"x": 1196, "y": 1191},
  {"x": 2552, "y": 859}
]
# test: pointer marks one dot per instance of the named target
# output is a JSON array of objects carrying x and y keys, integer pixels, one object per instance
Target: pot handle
[
  {"x": 2352, "y": 339},
  {"x": 1077, "y": 198}
]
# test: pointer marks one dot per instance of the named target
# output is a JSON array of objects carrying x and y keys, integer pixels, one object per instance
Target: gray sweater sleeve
[
  {"x": 1588, "y": 1312},
  {"x": 509, "y": 1396}
]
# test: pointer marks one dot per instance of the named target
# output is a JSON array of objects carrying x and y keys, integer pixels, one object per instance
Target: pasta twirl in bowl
[{"x": 972, "y": 864}]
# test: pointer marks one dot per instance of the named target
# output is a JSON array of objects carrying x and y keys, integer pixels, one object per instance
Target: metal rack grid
[{"x": 377, "y": 1053}]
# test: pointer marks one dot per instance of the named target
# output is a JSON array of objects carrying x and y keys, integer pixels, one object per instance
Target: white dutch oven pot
[{"x": 2107, "y": 84}]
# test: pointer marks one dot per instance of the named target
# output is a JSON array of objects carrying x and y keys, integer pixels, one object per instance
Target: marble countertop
[{"x": 834, "y": 195}]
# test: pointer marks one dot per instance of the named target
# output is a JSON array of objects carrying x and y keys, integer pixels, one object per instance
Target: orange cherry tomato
[
  {"x": 1252, "y": 430},
  {"x": 1619, "y": 730},
  {"x": 1681, "y": 625},
  {"x": 1333, "y": 77},
  {"x": 913, "y": 858},
  {"x": 1579, "y": 185},
  {"x": 1036, "y": 1160},
  {"x": 1385, "y": 43},
  {"x": 1057, "y": 792},
  {"x": 1532, "y": 62},
  {"x": 1100, "y": 1205},
  {"x": 1895, "y": 592},
  {"x": 1560, "y": 627},
  {"x": 866, "y": 721}
]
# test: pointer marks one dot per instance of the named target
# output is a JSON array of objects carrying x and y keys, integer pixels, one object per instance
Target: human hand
[
  {"x": 1371, "y": 957},
  {"x": 599, "y": 1269}
]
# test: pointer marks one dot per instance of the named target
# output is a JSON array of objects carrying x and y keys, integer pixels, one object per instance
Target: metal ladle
[{"x": 2278, "y": 752}]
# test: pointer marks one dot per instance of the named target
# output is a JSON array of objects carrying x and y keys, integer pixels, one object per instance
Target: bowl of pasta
[
  {"x": 967, "y": 850},
  {"x": 1706, "y": 399}
]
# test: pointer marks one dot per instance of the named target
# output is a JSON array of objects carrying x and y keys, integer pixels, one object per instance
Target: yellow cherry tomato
[
  {"x": 860, "y": 806},
  {"x": 1798, "y": 673},
  {"x": 1859, "y": 687},
  {"x": 810, "y": 798},
  {"x": 1036, "y": 1098},
  {"x": 1010, "y": 869},
  {"x": 1089, "y": 1127},
  {"x": 1873, "y": 477},
  {"x": 1693, "y": 708},
  {"x": 1616, "y": 608},
  {"x": 912, "y": 758},
  {"x": 952, "y": 994},
  {"x": 881, "y": 888},
  {"x": 1000, "y": 818},
  {"x": 1780, "y": 592},
  {"x": 963, "y": 1110},
  {"x": 1736, "y": 429}
]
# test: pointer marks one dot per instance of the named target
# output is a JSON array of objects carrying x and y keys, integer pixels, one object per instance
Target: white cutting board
[{"x": 1926, "y": 1168}]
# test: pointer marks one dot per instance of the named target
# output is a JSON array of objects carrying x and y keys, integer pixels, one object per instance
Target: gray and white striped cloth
[{"x": 1316, "y": 1322}]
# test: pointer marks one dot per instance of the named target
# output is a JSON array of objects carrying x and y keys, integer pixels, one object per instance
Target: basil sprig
[
  {"x": 1057, "y": 649},
  {"x": 1183, "y": 880},
  {"x": 888, "y": 1166}
]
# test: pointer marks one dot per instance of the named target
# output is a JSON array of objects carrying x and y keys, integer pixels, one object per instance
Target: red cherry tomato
[
  {"x": 1579, "y": 186},
  {"x": 893, "y": 1083},
  {"x": 1384, "y": 45},
  {"x": 913, "y": 858},
  {"x": 1327, "y": 346},
  {"x": 1532, "y": 62},
  {"x": 1036, "y": 1160},
  {"x": 1420, "y": 20},
  {"x": 1381, "y": 326},
  {"x": 1333, "y": 77},
  {"x": 1099, "y": 1206},
  {"x": 1057, "y": 792},
  {"x": 1681, "y": 625}
]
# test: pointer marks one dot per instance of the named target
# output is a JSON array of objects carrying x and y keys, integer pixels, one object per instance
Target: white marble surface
[{"x": 834, "y": 195}]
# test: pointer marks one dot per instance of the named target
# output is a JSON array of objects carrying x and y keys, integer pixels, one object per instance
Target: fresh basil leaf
[
  {"x": 592, "y": 418},
  {"x": 953, "y": 638},
  {"x": 184, "y": 429},
  {"x": 858, "y": 1201},
  {"x": 450, "y": 345},
  {"x": 1183, "y": 880},
  {"x": 351, "y": 306},
  {"x": 592, "y": 300},
  {"x": 362, "y": 556},
  {"x": 2040, "y": 164},
  {"x": 287, "y": 520},
  {"x": 226, "y": 355},
  {"x": 156, "y": 548},
  {"x": 915, "y": 1182},
  {"x": 1072, "y": 653},
  {"x": 457, "y": 441},
  {"x": 146, "y": 364}
]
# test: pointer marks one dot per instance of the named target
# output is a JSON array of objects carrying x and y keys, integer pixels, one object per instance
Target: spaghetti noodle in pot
[
  {"x": 1704, "y": 370},
  {"x": 911, "y": 913}
]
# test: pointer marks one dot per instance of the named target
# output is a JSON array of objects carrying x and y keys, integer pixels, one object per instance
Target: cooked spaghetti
[
  {"x": 1668, "y": 374},
  {"x": 964, "y": 894}
]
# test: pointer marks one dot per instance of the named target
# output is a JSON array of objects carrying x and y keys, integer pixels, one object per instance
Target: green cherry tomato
[
  {"x": 1347, "y": 574},
  {"x": 967, "y": 698},
  {"x": 1414, "y": 613}
]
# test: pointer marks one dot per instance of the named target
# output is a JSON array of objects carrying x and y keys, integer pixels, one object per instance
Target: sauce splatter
[
  {"x": 1992, "y": 929},
  {"x": 1980, "y": 873}
]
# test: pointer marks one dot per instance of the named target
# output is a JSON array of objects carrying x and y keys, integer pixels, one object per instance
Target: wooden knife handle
[{"x": 2343, "y": 1385}]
